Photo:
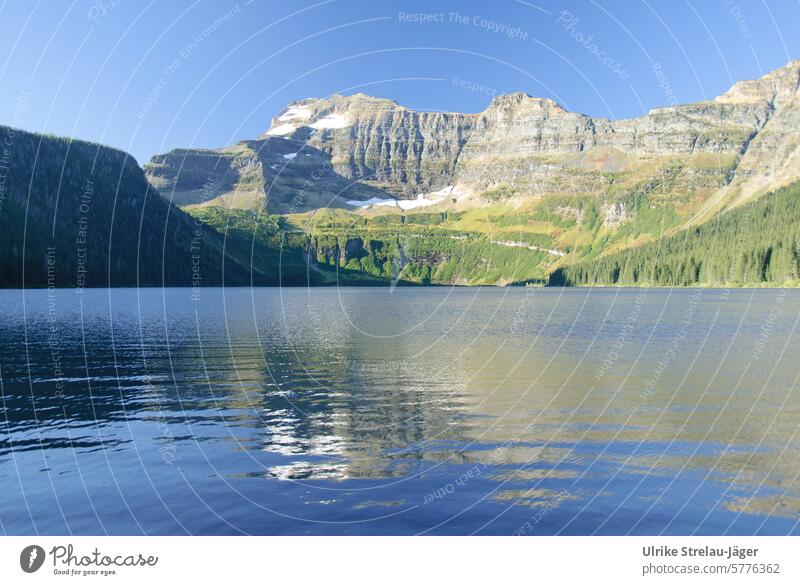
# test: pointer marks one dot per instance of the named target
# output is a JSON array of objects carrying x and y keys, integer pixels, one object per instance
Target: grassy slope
[{"x": 755, "y": 245}]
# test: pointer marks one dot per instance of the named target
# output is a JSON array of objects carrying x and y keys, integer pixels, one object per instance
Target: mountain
[
  {"x": 712, "y": 153},
  {"x": 508, "y": 195}
]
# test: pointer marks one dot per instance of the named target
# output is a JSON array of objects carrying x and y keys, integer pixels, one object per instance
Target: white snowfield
[
  {"x": 371, "y": 201},
  {"x": 281, "y": 130},
  {"x": 331, "y": 121},
  {"x": 290, "y": 156},
  {"x": 296, "y": 117},
  {"x": 422, "y": 200}
]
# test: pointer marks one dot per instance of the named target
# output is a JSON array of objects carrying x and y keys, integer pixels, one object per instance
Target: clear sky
[{"x": 147, "y": 77}]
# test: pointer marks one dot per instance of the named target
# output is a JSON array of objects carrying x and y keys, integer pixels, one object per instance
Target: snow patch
[
  {"x": 332, "y": 121},
  {"x": 281, "y": 130},
  {"x": 290, "y": 156},
  {"x": 294, "y": 113},
  {"x": 422, "y": 200},
  {"x": 426, "y": 199},
  {"x": 372, "y": 201}
]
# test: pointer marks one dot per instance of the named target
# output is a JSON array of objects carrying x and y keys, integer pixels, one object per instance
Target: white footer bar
[{"x": 355, "y": 560}]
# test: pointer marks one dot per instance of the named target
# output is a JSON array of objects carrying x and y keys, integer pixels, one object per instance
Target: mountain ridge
[{"x": 379, "y": 148}]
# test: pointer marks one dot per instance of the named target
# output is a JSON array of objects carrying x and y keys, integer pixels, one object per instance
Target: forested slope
[
  {"x": 74, "y": 213},
  {"x": 758, "y": 244}
]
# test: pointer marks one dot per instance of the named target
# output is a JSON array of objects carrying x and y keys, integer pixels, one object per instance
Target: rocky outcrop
[
  {"x": 378, "y": 140},
  {"x": 614, "y": 214},
  {"x": 772, "y": 156},
  {"x": 270, "y": 174}
]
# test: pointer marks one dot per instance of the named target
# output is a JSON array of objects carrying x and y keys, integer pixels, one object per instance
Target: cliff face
[
  {"x": 772, "y": 157},
  {"x": 378, "y": 140},
  {"x": 324, "y": 152}
]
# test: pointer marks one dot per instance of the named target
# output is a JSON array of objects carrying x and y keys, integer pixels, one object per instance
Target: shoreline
[{"x": 413, "y": 286}]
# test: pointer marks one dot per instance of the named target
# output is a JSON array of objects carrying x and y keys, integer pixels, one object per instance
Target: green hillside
[
  {"x": 755, "y": 245},
  {"x": 346, "y": 248}
]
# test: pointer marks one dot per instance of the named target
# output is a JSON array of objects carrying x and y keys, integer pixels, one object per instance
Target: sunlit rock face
[{"x": 724, "y": 151}]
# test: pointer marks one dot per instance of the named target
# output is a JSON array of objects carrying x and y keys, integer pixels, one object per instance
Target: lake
[{"x": 404, "y": 411}]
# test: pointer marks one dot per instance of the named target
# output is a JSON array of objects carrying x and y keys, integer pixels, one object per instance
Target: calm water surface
[{"x": 426, "y": 410}]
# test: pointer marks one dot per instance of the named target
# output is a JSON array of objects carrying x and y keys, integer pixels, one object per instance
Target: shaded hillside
[
  {"x": 79, "y": 214},
  {"x": 270, "y": 174}
]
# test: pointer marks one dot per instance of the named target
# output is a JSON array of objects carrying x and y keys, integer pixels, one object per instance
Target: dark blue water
[{"x": 437, "y": 411}]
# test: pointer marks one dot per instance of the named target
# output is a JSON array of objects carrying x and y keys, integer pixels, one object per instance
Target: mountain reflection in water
[{"x": 413, "y": 410}]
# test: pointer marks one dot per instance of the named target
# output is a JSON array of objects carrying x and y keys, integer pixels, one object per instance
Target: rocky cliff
[{"x": 326, "y": 152}]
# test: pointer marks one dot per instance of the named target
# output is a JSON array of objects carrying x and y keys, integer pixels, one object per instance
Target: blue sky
[{"x": 147, "y": 77}]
